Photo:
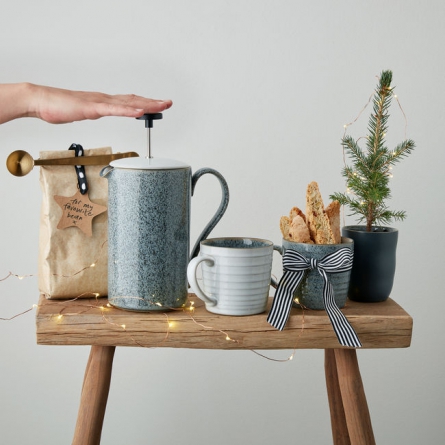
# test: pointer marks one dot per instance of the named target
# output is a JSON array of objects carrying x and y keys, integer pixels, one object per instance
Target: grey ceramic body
[
  {"x": 310, "y": 292},
  {"x": 372, "y": 275},
  {"x": 149, "y": 237}
]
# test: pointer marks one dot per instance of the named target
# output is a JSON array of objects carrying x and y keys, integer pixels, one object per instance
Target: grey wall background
[{"x": 261, "y": 91}]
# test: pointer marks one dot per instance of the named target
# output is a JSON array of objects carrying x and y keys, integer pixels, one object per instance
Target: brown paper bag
[{"x": 67, "y": 256}]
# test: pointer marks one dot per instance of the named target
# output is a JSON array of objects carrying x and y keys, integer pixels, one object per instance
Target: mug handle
[
  {"x": 279, "y": 249},
  {"x": 191, "y": 276},
  {"x": 221, "y": 209}
]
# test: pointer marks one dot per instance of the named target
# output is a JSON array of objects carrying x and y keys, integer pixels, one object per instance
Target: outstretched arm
[{"x": 59, "y": 106}]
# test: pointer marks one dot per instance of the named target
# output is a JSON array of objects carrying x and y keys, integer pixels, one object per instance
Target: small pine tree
[{"x": 367, "y": 178}]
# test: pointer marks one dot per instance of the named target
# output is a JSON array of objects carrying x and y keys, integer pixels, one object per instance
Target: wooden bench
[{"x": 92, "y": 322}]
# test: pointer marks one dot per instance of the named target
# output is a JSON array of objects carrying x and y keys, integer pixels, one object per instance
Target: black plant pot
[{"x": 374, "y": 266}]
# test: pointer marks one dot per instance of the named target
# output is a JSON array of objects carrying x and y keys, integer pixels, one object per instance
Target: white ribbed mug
[{"x": 236, "y": 274}]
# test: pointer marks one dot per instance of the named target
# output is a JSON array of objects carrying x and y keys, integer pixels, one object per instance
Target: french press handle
[{"x": 221, "y": 209}]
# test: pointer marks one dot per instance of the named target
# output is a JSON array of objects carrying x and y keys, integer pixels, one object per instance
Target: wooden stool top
[{"x": 91, "y": 322}]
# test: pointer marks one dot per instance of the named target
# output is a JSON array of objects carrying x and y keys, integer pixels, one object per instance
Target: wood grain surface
[{"x": 91, "y": 322}]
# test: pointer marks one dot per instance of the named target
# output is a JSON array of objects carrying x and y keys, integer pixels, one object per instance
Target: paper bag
[{"x": 71, "y": 263}]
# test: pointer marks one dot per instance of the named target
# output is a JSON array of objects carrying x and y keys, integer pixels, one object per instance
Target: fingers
[
  {"x": 138, "y": 102},
  {"x": 96, "y": 111},
  {"x": 126, "y": 100}
]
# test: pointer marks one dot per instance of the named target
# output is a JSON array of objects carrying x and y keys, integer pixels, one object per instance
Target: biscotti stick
[
  {"x": 299, "y": 232},
  {"x": 316, "y": 218},
  {"x": 333, "y": 214}
]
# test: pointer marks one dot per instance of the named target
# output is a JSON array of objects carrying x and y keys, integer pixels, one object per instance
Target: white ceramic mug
[{"x": 236, "y": 274}]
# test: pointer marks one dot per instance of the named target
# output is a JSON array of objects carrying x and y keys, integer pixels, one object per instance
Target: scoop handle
[{"x": 86, "y": 160}]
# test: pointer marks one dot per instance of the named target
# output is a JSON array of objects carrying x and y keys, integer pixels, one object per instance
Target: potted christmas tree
[{"x": 367, "y": 190}]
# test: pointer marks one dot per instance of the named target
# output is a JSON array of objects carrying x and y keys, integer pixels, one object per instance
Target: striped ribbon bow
[{"x": 295, "y": 265}]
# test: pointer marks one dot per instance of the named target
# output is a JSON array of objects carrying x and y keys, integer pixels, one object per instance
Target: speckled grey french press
[{"x": 149, "y": 231}]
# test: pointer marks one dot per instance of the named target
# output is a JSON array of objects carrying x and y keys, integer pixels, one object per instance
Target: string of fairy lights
[{"x": 99, "y": 305}]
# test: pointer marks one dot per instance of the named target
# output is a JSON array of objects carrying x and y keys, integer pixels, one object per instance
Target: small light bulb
[
  {"x": 35, "y": 306},
  {"x": 93, "y": 265},
  {"x": 170, "y": 324},
  {"x": 20, "y": 277},
  {"x": 228, "y": 338},
  {"x": 108, "y": 305},
  {"x": 59, "y": 317},
  {"x": 123, "y": 326},
  {"x": 96, "y": 294}
]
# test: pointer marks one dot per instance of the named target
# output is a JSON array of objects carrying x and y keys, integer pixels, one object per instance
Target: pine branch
[
  {"x": 353, "y": 149},
  {"x": 388, "y": 215},
  {"x": 377, "y": 122},
  {"x": 402, "y": 150}
]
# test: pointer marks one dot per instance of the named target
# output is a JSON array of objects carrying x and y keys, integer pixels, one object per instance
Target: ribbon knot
[
  {"x": 295, "y": 265},
  {"x": 314, "y": 263}
]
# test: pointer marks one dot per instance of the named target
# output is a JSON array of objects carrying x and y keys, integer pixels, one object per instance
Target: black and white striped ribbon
[
  {"x": 80, "y": 169},
  {"x": 295, "y": 265}
]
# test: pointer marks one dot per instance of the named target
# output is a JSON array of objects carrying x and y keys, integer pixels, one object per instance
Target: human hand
[{"x": 59, "y": 106}]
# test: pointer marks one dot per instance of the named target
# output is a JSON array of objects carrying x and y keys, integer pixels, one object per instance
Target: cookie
[
  {"x": 285, "y": 226},
  {"x": 317, "y": 220},
  {"x": 298, "y": 231},
  {"x": 333, "y": 214},
  {"x": 295, "y": 211}
]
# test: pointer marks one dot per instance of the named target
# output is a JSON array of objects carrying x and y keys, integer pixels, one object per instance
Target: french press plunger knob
[{"x": 149, "y": 118}]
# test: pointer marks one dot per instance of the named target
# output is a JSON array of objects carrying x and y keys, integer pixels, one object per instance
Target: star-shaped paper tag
[{"x": 78, "y": 211}]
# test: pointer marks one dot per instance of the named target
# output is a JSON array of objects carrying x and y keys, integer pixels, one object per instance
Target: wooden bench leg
[
  {"x": 340, "y": 432},
  {"x": 347, "y": 399},
  {"x": 93, "y": 400}
]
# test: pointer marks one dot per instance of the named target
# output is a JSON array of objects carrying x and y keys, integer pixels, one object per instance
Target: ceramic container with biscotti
[{"x": 310, "y": 292}]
